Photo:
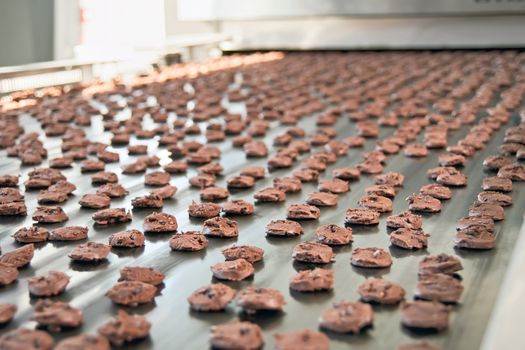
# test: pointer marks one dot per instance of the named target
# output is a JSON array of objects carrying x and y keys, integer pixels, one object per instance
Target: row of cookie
[{"x": 477, "y": 230}]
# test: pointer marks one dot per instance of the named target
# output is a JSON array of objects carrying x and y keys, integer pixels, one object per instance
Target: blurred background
[{"x": 86, "y": 39}]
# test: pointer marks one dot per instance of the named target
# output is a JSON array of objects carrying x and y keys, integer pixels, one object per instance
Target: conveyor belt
[{"x": 174, "y": 326}]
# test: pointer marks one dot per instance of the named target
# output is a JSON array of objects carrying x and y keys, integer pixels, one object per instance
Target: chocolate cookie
[
  {"x": 214, "y": 193},
  {"x": 190, "y": 241},
  {"x": 9, "y": 180},
  {"x": 249, "y": 253},
  {"x": 48, "y": 197},
  {"x": 7, "y": 312},
  {"x": 108, "y": 156},
  {"x": 361, "y": 216},
  {"x": 451, "y": 159},
  {"x": 381, "y": 190},
  {"x": 407, "y": 238},
  {"x": 425, "y": 315},
  {"x": 236, "y": 335},
  {"x": 160, "y": 222},
  {"x": 287, "y": 184},
  {"x": 455, "y": 179},
  {"x": 112, "y": 190},
  {"x": 255, "y": 149},
  {"x": 63, "y": 187},
  {"x": 496, "y": 162},
  {"x": 26, "y": 339},
  {"x": 256, "y": 172},
  {"x": 377, "y": 203},
  {"x": 391, "y": 178},
  {"x": 283, "y": 228},
  {"x": 346, "y": 174},
  {"x": 131, "y": 293},
  {"x": 304, "y": 339},
  {"x": 496, "y": 183},
  {"x": 147, "y": 275},
  {"x": 377, "y": 290},
  {"x": 95, "y": 201},
  {"x": 176, "y": 167},
  {"x": 111, "y": 216},
  {"x": 253, "y": 299},
  {"x": 282, "y": 139},
  {"x": 198, "y": 158},
  {"x": 135, "y": 167},
  {"x": 33, "y": 234},
  {"x": 47, "y": 175},
  {"x": 303, "y": 212},
  {"x": 69, "y": 233},
  {"x": 415, "y": 150},
  {"x": 241, "y": 181},
  {"x": 311, "y": 252},
  {"x": 387, "y": 147},
  {"x": 165, "y": 192},
  {"x": 437, "y": 191},
  {"x": 306, "y": 175},
  {"x": 220, "y": 227},
  {"x": 47, "y": 286},
  {"x": 49, "y": 215},
  {"x": 18, "y": 257},
  {"x": 203, "y": 180},
  {"x": 13, "y": 208},
  {"x": 204, "y": 210},
  {"x": 157, "y": 178},
  {"x": 370, "y": 167},
  {"x": 433, "y": 173},
  {"x": 237, "y": 207},
  {"x": 476, "y": 223},
  {"x": 371, "y": 258},
  {"x": 8, "y": 273},
  {"x": 367, "y": 129},
  {"x": 55, "y": 315},
  {"x": 492, "y": 210},
  {"x": 316, "y": 164},
  {"x": 150, "y": 161},
  {"x": 475, "y": 238},
  {"x": 213, "y": 297},
  {"x": 347, "y": 317},
  {"x": 84, "y": 342},
  {"x": 354, "y": 141},
  {"x": 8, "y": 195},
  {"x": 438, "y": 287},
  {"x": 333, "y": 235},
  {"x": 436, "y": 141},
  {"x": 137, "y": 149},
  {"x": 148, "y": 201},
  {"x": 464, "y": 150},
  {"x": 90, "y": 252},
  {"x": 270, "y": 194},
  {"x": 104, "y": 177},
  {"x": 92, "y": 165},
  {"x": 336, "y": 186},
  {"x": 495, "y": 197},
  {"x": 61, "y": 162},
  {"x": 405, "y": 220},
  {"x": 423, "y": 203},
  {"x": 322, "y": 199},
  {"x": 233, "y": 270},
  {"x": 312, "y": 280},
  {"x": 125, "y": 328},
  {"x": 127, "y": 239},
  {"x": 441, "y": 263}
]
